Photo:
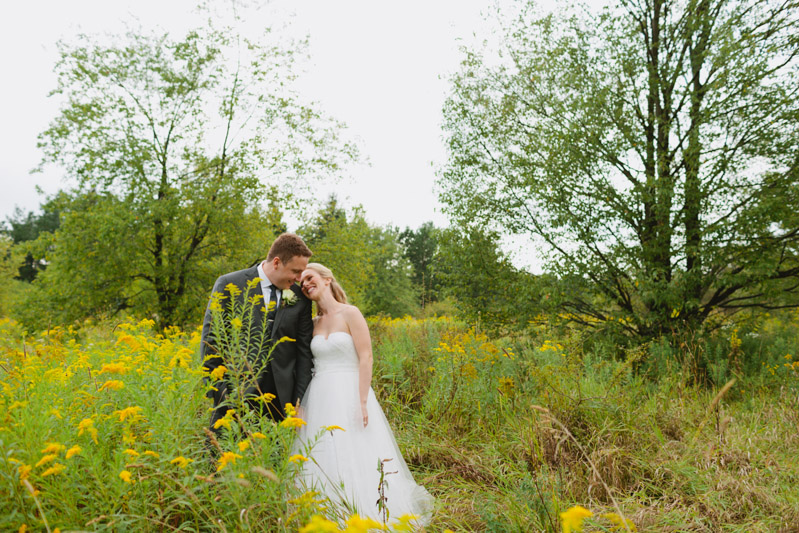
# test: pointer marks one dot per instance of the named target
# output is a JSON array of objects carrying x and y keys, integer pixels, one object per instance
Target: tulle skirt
[{"x": 343, "y": 463}]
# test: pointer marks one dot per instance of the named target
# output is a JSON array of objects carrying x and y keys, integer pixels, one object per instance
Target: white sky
[{"x": 378, "y": 66}]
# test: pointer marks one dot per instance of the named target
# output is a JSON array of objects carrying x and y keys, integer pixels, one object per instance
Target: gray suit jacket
[{"x": 291, "y": 362}]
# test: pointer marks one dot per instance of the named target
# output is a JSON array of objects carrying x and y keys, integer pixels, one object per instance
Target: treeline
[
  {"x": 76, "y": 259},
  {"x": 650, "y": 148}
]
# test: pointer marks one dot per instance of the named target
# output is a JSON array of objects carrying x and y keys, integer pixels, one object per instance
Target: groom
[{"x": 288, "y": 371}]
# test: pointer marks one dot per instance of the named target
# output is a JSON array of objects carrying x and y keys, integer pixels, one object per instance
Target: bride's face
[{"x": 313, "y": 284}]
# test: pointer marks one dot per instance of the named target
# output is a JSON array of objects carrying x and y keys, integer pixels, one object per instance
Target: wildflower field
[{"x": 102, "y": 428}]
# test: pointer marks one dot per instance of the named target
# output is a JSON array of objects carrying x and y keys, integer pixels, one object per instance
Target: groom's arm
[
  {"x": 304, "y": 362},
  {"x": 208, "y": 345}
]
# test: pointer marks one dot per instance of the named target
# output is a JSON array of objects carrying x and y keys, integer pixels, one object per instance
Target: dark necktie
[{"x": 272, "y": 310}]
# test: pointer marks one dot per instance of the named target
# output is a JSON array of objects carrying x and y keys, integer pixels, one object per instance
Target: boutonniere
[{"x": 288, "y": 298}]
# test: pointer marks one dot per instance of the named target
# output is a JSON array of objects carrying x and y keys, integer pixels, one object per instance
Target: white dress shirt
[{"x": 266, "y": 288}]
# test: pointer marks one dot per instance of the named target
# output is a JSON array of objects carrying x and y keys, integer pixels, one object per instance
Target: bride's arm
[{"x": 363, "y": 346}]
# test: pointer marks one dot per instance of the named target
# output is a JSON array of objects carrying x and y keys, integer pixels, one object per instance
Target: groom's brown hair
[{"x": 286, "y": 246}]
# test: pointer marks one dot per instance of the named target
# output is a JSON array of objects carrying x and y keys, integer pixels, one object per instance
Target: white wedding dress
[{"x": 343, "y": 464}]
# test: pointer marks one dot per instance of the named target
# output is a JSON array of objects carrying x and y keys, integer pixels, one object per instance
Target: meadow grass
[{"x": 103, "y": 429}]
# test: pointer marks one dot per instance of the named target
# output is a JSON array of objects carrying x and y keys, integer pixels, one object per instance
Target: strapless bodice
[{"x": 336, "y": 353}]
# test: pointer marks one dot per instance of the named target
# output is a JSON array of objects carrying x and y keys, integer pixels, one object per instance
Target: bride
[{"x": 346, "y": 429}]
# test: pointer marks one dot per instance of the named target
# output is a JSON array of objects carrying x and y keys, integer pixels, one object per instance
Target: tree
[
  {"x": 171, "y": 143},
  {"x": 653, "y": 147},
  {"x": 366, "y": 260},
  {"x": 26, "y": 228},
  {"x": 420, "y": 248},
  {"x": 488, "y": 289}
]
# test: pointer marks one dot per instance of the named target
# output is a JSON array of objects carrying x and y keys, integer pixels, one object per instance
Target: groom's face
[{"x": 289, "y": 272}]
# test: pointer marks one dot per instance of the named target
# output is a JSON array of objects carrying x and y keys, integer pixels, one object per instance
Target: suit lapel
[{"x": 280, "y": 312}]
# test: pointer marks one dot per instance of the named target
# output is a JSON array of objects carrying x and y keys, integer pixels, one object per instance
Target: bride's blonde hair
[{"x": 326, "y": 273}]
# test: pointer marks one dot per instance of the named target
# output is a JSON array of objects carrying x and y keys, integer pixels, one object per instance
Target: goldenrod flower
[
  {"x": 222, "y": 422},
  {"x": 320, "y": 524},
  {"x": 113, "y": 384},
  {"x": 75, "y": 450},
  {"x": 87, "y": 425},
  {"x": 152, "y": 454},
  {"x": 572, "y": 518},
  {"x": 292, "y": 422},
  {"x": 181, "y": 461},
  {"x": 265, "y": 397},
  {"x": 218, "y": 372},
  {"x": 54, "y": 447},
  {"x": 243, "y": 445},
  {"x": 132, "y": 453},
  {"x": 125, "y": 476},
  {"x": 236, "y": 323},
  {"x": 227, "y": 458},
  {"x": 297, "y": 458},
  {"x": 24, "y": 471},
  {"x": 129, "y": 412},
  {"x": 114, "y": 368},
  {"x": 23, "y": 528},
  {"x": 258, "y": 435},
  {"x": 132, "y": 343},
  {"x": 621, "y": 522},
  {"x": 404, "y": 523},
  {"x": 333, "y": 428},
  {"x": 362, "y": 525},
  {"x": 46, "y": 459},
  {"x": 290, "y": 411},
  {"x": 53, "y": 470}
]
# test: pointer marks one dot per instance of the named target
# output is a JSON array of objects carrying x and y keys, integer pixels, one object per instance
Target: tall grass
[{"x": 506, "y": 433}]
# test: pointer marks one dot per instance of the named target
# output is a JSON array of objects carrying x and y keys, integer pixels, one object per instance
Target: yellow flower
[
  {"x": 24, "y": 471},
  {"x": 243, "y": 445},
  {"x": 320, "y": 524},
  {"x": 236, "y": 323},
  {"x": 132, "y": 343},
  {"x": 572, "y": 518},
  {"x": 114, "y": 368},
  {"x": 356, "y": 524},
  {"x": 621, "y": 522},
  {"x": 87, "y": 425},
  {"x": 113, "y": 384},
  {"x": 257, "y": 435},
  {"x": 181, "y": 461},
  {"x": 222, "y": 422},
  {"x": 333, "y": 428},
  {"x": 125, "y": 476},
  {"x": 290, "y": 411},
  {"x": 297, "y": 458},
  {"x": 132, "y": 453},
  {"x": 218, "y": 372},
  {"x": 404, "y": 523},
  {"x": 225, "y": 421},
  {"x": 23, "y": 528},
  {"x": 292, "y": 422},
  {"x": 75, "y": 450},
  {"x": 54, "y": 447},
  {"x": 265, "y": 397},
  {"x": 227, "y": 458},
  {"x": 46, "y": 459},
  {"x": 152, "y": 454},
  {"x": 129, "y": 412},
  {"x": 53, "y": 470}
]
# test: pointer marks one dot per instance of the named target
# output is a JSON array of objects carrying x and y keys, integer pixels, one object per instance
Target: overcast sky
[
  {"x": 379, "y": 66},
  {"x": 376, "y": 65}
]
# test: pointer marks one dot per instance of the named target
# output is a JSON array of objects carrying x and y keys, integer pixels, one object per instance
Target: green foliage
[
  {"x": 25, "y": 228},
  {"x": 651, "y": 146},
  {"x": 421, "y": 248},
  {"x": 366, "y": 260},
  {"x": 101, "y": 261},
  {"x": 486, "y": 286},
  {"x": 171, "y": 143}
]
